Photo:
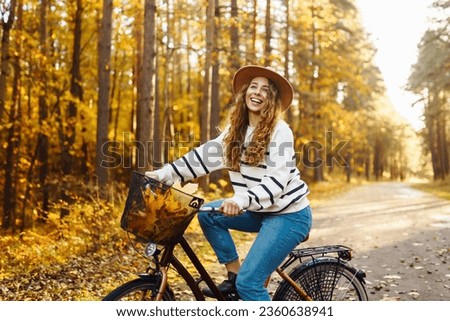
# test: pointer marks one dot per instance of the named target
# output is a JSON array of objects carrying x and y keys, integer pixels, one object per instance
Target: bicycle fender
[{"x": 323, "y": 259}]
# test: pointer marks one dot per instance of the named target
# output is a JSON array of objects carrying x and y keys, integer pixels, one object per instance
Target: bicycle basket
[{"x": 157, "y": 212}]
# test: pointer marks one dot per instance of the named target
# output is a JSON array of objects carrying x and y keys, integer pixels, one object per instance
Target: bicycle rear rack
[{"x": 343, "y": 253}]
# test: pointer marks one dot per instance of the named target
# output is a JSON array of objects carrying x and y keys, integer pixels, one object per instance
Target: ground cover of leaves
[
  {"x": 86, "y": 277},
  {"x": 89, "y": 277}
]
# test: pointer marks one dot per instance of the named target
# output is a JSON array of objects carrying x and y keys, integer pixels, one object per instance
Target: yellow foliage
[{"x": 89, "y": 225}]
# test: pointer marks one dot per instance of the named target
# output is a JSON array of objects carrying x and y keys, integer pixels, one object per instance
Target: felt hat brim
[{"x": 245, "y": 74}]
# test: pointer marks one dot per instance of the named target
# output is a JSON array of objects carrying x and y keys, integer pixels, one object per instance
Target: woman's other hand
[
  {"x": 230, "y": 208},
  {"x": 152, "y": 175},
  {"x": 160, "y": 177}
]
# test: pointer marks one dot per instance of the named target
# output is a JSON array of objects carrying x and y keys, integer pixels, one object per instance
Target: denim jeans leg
[
  {"x": 216, "y": 228},
  {"x": 279, "y": 234}
]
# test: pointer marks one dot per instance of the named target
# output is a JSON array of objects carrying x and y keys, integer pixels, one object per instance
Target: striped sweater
[{"x": 274, "y": 186}]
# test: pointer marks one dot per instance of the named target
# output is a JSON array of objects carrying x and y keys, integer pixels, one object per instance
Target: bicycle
[{"x": 159, "y": 214}]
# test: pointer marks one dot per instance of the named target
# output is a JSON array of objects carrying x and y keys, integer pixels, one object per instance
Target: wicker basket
[{"x": 157, "y": 212}]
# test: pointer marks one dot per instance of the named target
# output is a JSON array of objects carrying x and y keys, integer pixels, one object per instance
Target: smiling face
[{"x": 256, "y": 97}]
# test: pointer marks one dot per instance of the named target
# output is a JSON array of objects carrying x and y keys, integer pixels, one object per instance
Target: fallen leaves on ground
[{"x": 87, "y": 277}]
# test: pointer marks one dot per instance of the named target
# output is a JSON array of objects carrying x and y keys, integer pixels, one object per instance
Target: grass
[
  {"x": 440, "y": 188},
  {"x": 330, "y": 188}
]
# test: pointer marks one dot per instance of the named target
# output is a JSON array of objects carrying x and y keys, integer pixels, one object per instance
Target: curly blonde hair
[{"x": 252, "y": 154}]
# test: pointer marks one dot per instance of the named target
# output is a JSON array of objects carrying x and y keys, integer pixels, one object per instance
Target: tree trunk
[
  {"x": 17, "y": 99},
  {"x": 215, "y": 77},
  {"x": 207, "y": 87},
  {"x": 157, "y": 137},
  {"x": 268, "y": 35},
  {"x": 287, "y": 49},
  {"x": 445, "y": 146},
  {"x": 85, "y": 159},
  {"x": 43, "y": 115},
  {"x": 168, "y": 125},
  {"x": 145, "y": 88},
  {"x": 234, "y": 32},
  {"x": 215, "y": 86},
  {"x": 5, "y": 57},
  {"x": 433, "y": 149},
  {"x": 206, "y": 98},
  {"x": 9, "y": 189},
  {"x": 130, "y": 153},
  {"x": 442, "y": 141},
  {"x": 251, "y": 56},
  {"x": 318, "y": 169},
  {"x": 76, "y": 91},
  {"x": 431, "y": 125},
  {"x": 378, "y": 159},
  {"x": 348, "y": 168},
  {"x": 314, "y": 105},
  {"x": 119, "y": 105},
  {"x": 367, "y": 167},
  {"x": 293, "y": 119},
  {"x": 13, "y": 141},
  {"x": 104, "y": 60}
]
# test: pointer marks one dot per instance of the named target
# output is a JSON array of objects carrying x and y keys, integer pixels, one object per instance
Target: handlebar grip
[{"x": 210, "y": 209}]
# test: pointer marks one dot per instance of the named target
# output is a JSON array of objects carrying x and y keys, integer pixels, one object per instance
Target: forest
[{"x": 93, "y": 90}]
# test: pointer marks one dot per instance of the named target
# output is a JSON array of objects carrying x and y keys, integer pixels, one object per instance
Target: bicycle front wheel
[
  {"x": 138, "y": 290},
  {"x": 323, "y": 280}
]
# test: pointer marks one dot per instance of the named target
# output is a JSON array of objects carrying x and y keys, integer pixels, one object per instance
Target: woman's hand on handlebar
[{"x": 230, "y": 208}]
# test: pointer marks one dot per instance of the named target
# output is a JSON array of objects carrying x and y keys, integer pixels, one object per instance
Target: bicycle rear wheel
[
  {"x": 324, "y": 280},
  {"x": 138, "y": 290}
]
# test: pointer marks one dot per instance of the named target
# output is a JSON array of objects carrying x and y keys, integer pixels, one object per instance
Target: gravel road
[{"x": 400, "y": 237}]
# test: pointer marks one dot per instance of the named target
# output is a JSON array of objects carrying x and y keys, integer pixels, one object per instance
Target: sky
[{"x": 396, "y": 27}]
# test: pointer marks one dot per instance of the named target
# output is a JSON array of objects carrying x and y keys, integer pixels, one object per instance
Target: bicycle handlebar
[
  {"x": 215, "y": 210},
  {"x": 210, "y": 209}
]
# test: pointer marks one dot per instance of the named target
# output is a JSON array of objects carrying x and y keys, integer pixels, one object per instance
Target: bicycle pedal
[
  {"x": 234, "y": 296},
  {"x": 230, "y": 296}
]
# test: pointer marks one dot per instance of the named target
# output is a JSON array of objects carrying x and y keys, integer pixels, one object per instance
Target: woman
[{"x": 269, "y": 198}]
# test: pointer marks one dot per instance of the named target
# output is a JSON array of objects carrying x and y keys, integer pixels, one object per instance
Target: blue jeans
[{"x": 277, "y": 236}]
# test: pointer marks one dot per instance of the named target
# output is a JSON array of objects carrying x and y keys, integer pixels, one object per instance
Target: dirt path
[{"x": 400, "y": 237}]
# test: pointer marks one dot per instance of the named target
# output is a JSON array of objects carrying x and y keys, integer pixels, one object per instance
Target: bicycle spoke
[{"x": 323, "y": 281}]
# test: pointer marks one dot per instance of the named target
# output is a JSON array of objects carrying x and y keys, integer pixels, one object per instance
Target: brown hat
[{"x": 245, "y": 74}]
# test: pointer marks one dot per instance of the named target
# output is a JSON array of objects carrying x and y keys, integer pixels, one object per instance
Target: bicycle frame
[
  {"x": 165, "y": 258},
  {"x": 168, "y": 258},
  {"x": 294, "y": 285}
]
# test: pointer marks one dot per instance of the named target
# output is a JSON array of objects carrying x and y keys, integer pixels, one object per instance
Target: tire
[
  {"x": 324, "y": 280},
  {"x": 138, "y": 290}
]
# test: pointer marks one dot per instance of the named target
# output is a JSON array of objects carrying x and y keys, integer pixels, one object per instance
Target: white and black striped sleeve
[{"x": 196, "y": 163}]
